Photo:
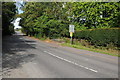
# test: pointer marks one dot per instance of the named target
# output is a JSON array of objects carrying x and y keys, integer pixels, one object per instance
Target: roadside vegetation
[
  {"x": 8, "y": 15},
  {"x": 97, "y": 24},
  {"x": 83, "y": 44}
]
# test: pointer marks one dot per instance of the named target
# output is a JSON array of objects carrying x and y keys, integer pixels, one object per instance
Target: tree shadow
[{"x": 14, "y": 52}]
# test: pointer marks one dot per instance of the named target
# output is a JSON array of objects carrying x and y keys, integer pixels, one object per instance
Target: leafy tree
[
  {"x": 8, "y": 13},
  {"x": 52, "y": 19},
  {"x": 37, "y": 16},
  {"x": 95, "y": 14}
]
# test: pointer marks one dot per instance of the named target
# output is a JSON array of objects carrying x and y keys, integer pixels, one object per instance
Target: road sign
[{"x": 71, "y": 28}]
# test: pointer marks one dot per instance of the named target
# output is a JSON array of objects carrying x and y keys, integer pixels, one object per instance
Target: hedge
[{"x": 100, "y": 37}]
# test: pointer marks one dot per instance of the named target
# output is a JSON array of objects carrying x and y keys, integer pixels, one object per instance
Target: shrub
[{"x": 100, "y": 37}]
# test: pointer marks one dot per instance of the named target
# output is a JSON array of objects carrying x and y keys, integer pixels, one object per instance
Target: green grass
[
  {"x": 90, "y": 49},
  {"x": 40, "y": 38}
]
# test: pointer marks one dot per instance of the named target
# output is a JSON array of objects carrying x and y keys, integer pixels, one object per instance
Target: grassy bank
[
  {"x": 109, "y": 52},
  {"x": 86, "y": 46}
]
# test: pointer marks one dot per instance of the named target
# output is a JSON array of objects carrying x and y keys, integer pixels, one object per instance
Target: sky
[
  {"x": 16, "y": 22},
  {"x": 18, "y": 5}
]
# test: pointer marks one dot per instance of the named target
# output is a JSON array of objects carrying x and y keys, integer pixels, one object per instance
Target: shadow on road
[{"x": 15, "y": 52}]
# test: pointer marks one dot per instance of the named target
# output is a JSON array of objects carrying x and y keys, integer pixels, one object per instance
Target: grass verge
[
  {"x": 79, "y": 45},
  {"x": 113, "y": 53}
]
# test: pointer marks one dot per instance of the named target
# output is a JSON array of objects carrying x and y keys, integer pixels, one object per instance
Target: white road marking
[
  {"x": 86, "y": 59},
  {"x": 71, "y": 62},
  {"x": 20, "y": 38}
]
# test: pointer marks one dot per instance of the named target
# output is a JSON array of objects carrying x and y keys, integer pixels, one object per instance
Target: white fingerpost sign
[{"x": 71, "y": 28}]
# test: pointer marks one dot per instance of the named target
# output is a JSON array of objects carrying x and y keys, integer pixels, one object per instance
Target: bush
[{"x": 100, "y": 37}]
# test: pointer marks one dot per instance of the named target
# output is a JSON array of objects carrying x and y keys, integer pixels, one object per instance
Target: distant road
[{"x": 25, "y": 57}]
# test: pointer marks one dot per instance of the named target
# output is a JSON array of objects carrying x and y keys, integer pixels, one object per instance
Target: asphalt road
[{"x": 30, "y": 58}]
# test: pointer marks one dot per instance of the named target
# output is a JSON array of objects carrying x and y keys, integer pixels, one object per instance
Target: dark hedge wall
[{"x": 100, "y": 37}]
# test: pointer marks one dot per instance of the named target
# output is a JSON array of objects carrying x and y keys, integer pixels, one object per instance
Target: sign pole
[
  {"x": 71, "y": 30},
  {"x": 71, "y": 40}
]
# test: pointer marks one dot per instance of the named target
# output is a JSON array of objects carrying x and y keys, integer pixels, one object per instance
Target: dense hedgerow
[{"x": 100, "y": 37}]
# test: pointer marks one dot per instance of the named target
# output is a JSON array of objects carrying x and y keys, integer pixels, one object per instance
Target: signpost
[{"x": 71, "y": 30}]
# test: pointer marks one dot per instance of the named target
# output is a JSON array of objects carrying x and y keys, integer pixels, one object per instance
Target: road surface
[{"x": 25, "y": 57}]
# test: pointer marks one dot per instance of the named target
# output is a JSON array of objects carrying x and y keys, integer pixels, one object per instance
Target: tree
[
  {"x": 52, "y": 19},
  {"x": 37, "y": 16},
  {"x": 95, "y": 14},
  {"x": 8, "y": 13}
]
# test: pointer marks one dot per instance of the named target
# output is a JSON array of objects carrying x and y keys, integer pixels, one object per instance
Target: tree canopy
[
  {"x": 52, "y": 19},
  {"x": 8, "y": 13}
]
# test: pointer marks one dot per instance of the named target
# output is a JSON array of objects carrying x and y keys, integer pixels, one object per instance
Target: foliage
[
  {"x": 84, "y": 15},
  {"x": 52, "y": 19},
  {"x": 8, "y": 13},
  {"x": 96, "y": 14},
  {"x": 100, "y": 37},
  {"x": 42, "y": 19}
]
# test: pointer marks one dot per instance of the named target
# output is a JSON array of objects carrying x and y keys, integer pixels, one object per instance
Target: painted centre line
[{"x": 71, "y": 62}]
